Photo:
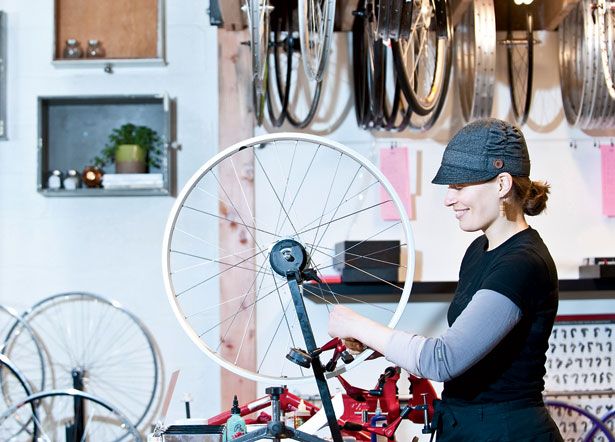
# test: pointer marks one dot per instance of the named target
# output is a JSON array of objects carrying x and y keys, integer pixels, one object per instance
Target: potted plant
[{"x": 132, "y": 149}]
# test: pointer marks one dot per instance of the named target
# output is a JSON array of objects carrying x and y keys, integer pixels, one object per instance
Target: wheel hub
[{"x": 288, "y": 256}]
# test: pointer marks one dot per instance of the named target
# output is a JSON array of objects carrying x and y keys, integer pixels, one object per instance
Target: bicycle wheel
[
  {"x": 314, "y": 191},
  {"x": 316, "y": 19},
  {"x": 423, "y": 58},
  {"x": 605, "y": 11},
  {"x": 574, "y": 422},
  {"x": 15, "y": 387},
  {"x": 520, "y": 57},
  {"x": 68, "y": 415},
  {"x": 29, "y": 353},
  {"x": 258, "y": 25},
  {"x": 97, "y": 346},
  {"x": 475, "y": 38}
]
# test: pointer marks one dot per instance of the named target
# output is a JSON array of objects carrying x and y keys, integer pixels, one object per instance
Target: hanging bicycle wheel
[
  {"x": 96, "y": 346},
  {"x": 29, "y": 353},
  {"x": 423, "y": 54},
  {"x": 68, "y": 415},
  {"x": 15, "y": 387},
  {"x": 575, "y": 423},
  {"x": 258, "y": 25},
  {"x": 475, "y": 39},
  {"x": 316, "y": 19},
  {"x": 316, "y": 192},
  {"x": 520, "y": 57},
  {"x": 605, "y": 11}
]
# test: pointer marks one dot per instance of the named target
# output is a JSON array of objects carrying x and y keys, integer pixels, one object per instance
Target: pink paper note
[
  {"x": 607, "y": 157},
  {"x": 394, "y": 165}
]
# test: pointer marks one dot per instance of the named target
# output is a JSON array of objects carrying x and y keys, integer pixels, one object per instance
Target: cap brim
[{"x": 456, "y": 175}]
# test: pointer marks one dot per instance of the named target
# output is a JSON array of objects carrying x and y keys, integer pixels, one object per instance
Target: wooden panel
[
  {"x": 553, "y": 12},
  {"x": 126, "y": 28},
  {"x": 343, "y": 15},
  {"x": 235, "y": 124},
  {"x": 233, "y": 17}
]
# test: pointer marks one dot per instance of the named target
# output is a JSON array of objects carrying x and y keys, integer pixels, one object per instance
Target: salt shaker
[
  {"x": 54, "y": 181},
  {"x": 72, "y": 180}
]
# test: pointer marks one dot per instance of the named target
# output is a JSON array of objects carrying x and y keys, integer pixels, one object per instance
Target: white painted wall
[
  {"x": 111, "y": 246},
  {"x": 108, "y": 246}
]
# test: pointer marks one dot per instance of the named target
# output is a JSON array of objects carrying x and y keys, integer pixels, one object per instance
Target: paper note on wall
[
  {"x": 394, "y": 165},
  {"x": 607, "y": 157}
]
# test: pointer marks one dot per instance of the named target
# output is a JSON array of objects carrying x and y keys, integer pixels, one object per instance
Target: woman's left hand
[{"x": 343, "y": 322}]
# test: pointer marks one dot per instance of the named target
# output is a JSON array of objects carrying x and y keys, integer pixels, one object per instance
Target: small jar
[
  {"x": 54, "y": 180},
  {"x": 72, "y": 49},
  {"x": 95, "y": 49},
  {"x": 72, "y": 180}
]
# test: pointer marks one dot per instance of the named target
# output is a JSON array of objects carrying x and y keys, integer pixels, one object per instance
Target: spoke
[
  {"x": 238, "y": 212},
  {"x": 355, "y": 256},
  {"x": 345, "y": 216},
  {"x": 220, "y": 200},
  {"x": 219, "y": 273},
  {"x": 275, "y": 193},
  {"x": 231, "y": 221},
  {"x": 368, "y": 273},
  {"x": 245, "y": 329},
  {"x": 240, "y": 310},
  {"x": 324, "y": 207},
  {"x": 338, "y": 206},
  {"x": 350, "y": 198},
  {"x": 290, "y": 168},
  {"x": 302, "y": 181},
  {"x": 351, "y": 298}
]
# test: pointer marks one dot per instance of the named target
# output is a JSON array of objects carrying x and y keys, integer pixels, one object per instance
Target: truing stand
[
  {"x": 276, "y": 429},
  {"x": 289, "y": 258}
]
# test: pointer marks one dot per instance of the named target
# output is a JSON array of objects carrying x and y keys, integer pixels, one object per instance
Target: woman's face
[{"x": 476, "y": 205}]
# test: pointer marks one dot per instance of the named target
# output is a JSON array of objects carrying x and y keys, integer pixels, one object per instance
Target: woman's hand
[
  {"x": 343, "y": 322},
  {"x": 358, "y": 332}
]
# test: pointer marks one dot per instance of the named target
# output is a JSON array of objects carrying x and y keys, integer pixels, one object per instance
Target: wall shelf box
[
  {"x": 73, "y": 130},
  {"x": 130, "y": 31}
]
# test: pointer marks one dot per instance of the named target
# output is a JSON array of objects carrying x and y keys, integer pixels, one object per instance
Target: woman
[{"x": 492, "y": 357}]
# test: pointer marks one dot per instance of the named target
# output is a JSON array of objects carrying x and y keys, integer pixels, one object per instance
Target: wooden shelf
[
  {"x": 442, "y": 291},
  {"x": 127, "y": 29}
]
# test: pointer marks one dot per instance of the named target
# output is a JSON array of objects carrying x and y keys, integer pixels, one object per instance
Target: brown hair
[{"x": 531, "y": 195}]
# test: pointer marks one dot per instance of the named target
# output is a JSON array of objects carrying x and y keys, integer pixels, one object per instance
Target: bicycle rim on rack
[
  {"x": 422, "y": 54},
  {"x": 475, "y": 40},
  {"x": 316, "y": 19},
  {"x": 605, "y": 11},
  {"x": 308, "y": 188},
  {"x": 520, "y": 60},
  {"x": 95, "y": 345},
  {"x": 258, "y": 25}
]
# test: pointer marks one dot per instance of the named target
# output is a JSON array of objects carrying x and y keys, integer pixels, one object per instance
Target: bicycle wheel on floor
[
  {"x": 68, "y": 415},
  {"x": 97, "y": 346}
]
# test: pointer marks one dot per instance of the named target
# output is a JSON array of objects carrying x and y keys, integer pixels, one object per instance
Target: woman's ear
[{"x": 504, "y": 182}]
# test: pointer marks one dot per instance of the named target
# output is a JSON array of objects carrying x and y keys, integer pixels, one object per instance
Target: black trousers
[{"x": 514, "y": 421}]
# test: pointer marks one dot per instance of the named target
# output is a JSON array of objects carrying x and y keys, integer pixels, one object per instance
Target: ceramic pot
[{"x": 130, "y": 158}]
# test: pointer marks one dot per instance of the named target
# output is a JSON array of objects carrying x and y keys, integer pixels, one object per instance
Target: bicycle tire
[
  {"x": 520, "y": 78},
  {"x": 317, "y": 32}
]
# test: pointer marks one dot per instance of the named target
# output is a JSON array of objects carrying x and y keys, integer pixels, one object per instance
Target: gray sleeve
[{"x": 479, "y": 328}]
